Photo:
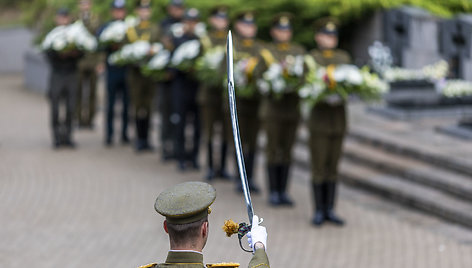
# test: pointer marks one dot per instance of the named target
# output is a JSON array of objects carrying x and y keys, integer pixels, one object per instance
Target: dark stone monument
[
  {"x": 412, "y": 35},
  {"x": 456, "y": 45}
]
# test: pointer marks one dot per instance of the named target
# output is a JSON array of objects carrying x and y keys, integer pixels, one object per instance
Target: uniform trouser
[
  {"x": 165, "y": 108},
  {"x": 212, "y": 111},
  {"x": 184, "y": 105},
  {"x": 142, "y": 90},
  {"x": 325, "y": 152},
  {"x": 86, "y": 97},
  {"x": 212, "y": 115},
  {"x": 116, "y": 84},
  {"x": 249, "y": 125},
  {"x": 281, "y": 136},
  {"x": 63, "y": 89}
]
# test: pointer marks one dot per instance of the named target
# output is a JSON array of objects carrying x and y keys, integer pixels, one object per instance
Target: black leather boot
[
  {"x": 250, "y": 159},
  {"x": 146, "y": 130},
  {"x": 283, "y": 171},
  {"x": 139, "y": 146},
  {"x": 222, "y": 173},
  {"x": 330, "y": 191},
  {"x": 318, "y": 199},
  {"x": 274, "y": 196},
  {"x": 210, "y": 173}
]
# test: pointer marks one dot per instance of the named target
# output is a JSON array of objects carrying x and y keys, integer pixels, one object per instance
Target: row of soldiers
[{"x": 181, "y": 97}]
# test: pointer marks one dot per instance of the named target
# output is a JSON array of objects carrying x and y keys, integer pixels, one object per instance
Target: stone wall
[{"x": 14, "y": 42}]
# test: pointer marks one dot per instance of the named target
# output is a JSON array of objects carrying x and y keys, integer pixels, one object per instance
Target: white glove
[{"x": 257, "y": 234}]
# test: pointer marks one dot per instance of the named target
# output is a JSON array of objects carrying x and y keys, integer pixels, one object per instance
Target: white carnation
[
  {"x": 160, "y": 61},
  {"x": 187, "y": 51},
  {"x": 114, "y": 32}
]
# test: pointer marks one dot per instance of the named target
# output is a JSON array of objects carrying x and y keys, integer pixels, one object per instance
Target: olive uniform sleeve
[
  {"x": 156, "y": 34},
  {"x": 259, "y": 260}
]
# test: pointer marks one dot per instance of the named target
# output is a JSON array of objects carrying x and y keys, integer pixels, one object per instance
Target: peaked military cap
[
  {"x": 118, "y": 4},
  {"x": 283, "y": 21},
  {"x": 186, "y": 202},
  {"x": 177, "y": 3},
  {"x": 143, "y": 4},
  {"x": 192, "y": 14},
  {"x": 63, "y": 11},
  {"x": 219, "y": 11},
  {"x": 327, "y": 25},
  {"x": 247, "y": 16}
]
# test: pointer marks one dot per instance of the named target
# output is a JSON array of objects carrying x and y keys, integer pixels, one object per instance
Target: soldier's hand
[{"x": 257, "y": 237}]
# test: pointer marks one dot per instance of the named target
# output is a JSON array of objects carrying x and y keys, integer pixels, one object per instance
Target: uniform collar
[
  {"x": 184, "y": 256},
  {"x": 144, "y": 24},
  {"x": 219, "y": 34},
  {"x": 327, "y": 53},
  {"x": 283, "y": 46},
  {"x": 247, "y": 42}
]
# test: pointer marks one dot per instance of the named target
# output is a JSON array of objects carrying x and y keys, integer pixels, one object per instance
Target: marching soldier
[
  {"x": 142, "y": 88},
  {"x": 63, "y": 86},
  {"x": 116, "y": 81},
  {"x": 327, "y": 126},
  {"x": 186, "y": 207},
  {"x": 184, "y": 104},
  {"x": 280, "y": 114},
  {"x": 175, "y": 11},
  {"x": 210, "y": 97},
  {"x": 247, "y": 48},
  {"x": 87, "y": 94}
]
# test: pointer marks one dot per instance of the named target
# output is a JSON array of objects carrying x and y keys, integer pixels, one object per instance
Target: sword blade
[{"x": 234, "y": 123}]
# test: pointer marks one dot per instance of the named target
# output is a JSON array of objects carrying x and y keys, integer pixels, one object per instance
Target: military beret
[
  {"x": 219, "y": 11},
  {"x": 143, "y": 4},
  {"x": 192, "y": 14},
  {"x": 246, "y": 17},
  {"x": 282, "y": 21},
  {"x": 327, "y": 25},
  {"x": 63, "y": 11},
  {"x": 177, "y": 3},
  {"x": 186, "y": 202},
  {"x": 118, "y": 4}
]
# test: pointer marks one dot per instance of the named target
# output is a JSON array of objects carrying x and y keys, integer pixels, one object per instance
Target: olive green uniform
[
  {"x": 195, "y": 260},
  {"x": 247, "y": 106},
  {"x": 87, "y": 93},
  {"x": 187, "y": 203},
  {"x": 327, "y": 125},
  {"x": 210, "y": 100},
  {"x": 142, "y": 88},
  {"x": 280, "y": 116}
]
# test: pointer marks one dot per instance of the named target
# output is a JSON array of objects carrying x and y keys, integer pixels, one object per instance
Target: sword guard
[
  {"x": 244, "y": 228},
  {"x": 230, "y": 227}
]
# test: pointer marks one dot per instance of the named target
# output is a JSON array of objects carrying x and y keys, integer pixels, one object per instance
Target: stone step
[
  {"x": 410, "y": 194},
  {"x": 409, "y": 169},
  {"x": 412, "y": 152}
]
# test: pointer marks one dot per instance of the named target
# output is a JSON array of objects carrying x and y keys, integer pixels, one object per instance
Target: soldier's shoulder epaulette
[
  {"x": 223, "y": 265},
  {"x": 151, "y": 265}
]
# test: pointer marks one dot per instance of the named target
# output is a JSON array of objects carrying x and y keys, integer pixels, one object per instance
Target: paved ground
[{"x": 93, "y": 207}]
